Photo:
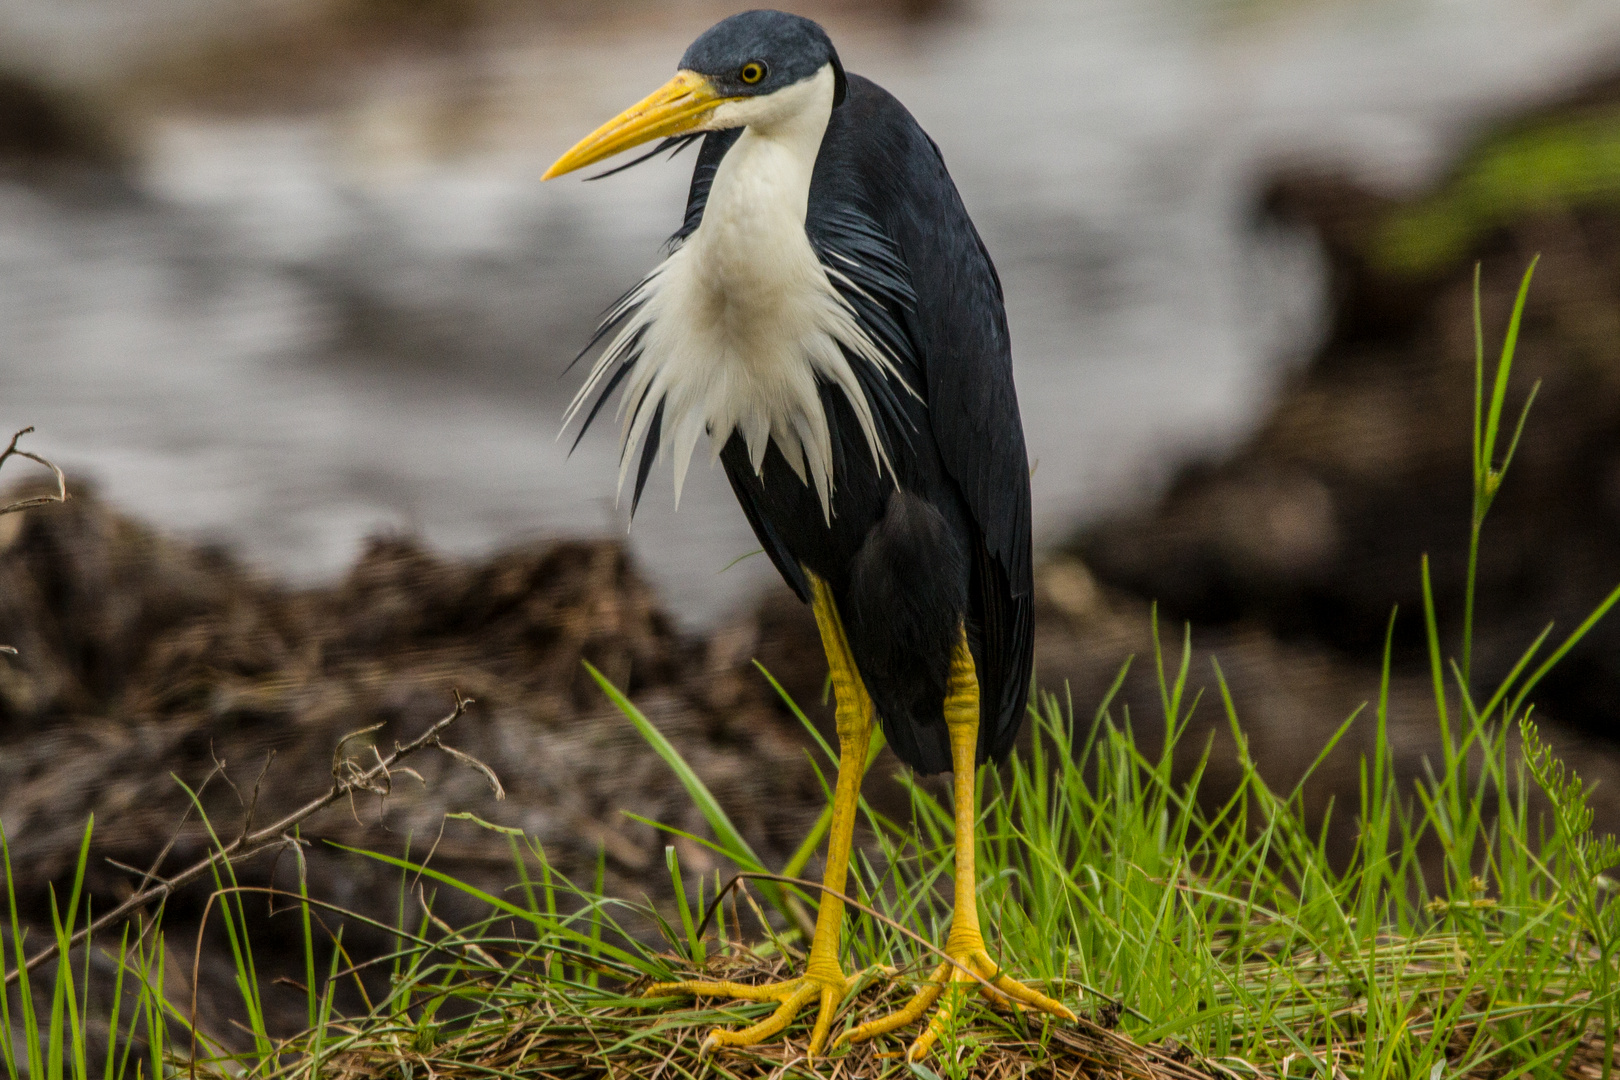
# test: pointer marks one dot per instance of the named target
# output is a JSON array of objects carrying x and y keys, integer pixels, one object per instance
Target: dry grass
[
  {"x": 556, "y": 1037},
  {"x": 548, "y": 1031}
]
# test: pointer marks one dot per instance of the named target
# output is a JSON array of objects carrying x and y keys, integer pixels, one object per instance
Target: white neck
[
  {"x": 740, "y": 325},
  {"x": 769, "y": 166}
]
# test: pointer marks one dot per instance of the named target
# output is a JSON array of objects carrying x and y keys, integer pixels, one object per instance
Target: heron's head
[{"x": 752, "y": 69}]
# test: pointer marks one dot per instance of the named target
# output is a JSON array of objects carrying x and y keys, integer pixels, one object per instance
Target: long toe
[
  {"x": 1005, "y": 991},
  {"x": 1034, "y": 999},
  {"x": 906, "y": 1014},
  {"x": 831, "y": 997},
  {"x": 770, "y": 1026},
  {"x": 792, "y": 996},
  {"x": 941, "y": 1020},
  {"x": 1002, "y": 991},
  {"x": 740, "y": 991}
]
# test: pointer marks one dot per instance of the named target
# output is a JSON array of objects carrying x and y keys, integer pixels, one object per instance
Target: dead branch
[
  {"x": 37, "y": 500},
  {"x": 347, "y": 778}
]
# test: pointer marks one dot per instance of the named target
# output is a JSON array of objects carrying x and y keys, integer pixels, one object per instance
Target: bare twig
[
  {"x": 224, "y": 773},
  {"x": 346, "y": 780},
  {"x": 473, "y": 763},
  {"x": 37, "y": 500},
  {"x": 61, "y": 495},
  {"x": 247, "y": 819},
  {"x": 174, "y": 837}
]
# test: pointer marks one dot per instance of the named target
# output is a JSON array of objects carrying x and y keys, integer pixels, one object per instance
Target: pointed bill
[{"x": 679, "y": 105}]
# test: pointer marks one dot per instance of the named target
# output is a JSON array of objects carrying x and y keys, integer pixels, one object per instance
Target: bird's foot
[
  {"x": 826, "y": 987},
  {"x": 1002, "y": 992}
]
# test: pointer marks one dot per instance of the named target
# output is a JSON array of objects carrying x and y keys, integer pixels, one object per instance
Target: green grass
[{"x": 1467, "y": 933}]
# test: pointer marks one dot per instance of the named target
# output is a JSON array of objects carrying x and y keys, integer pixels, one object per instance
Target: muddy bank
[{"x": 142, "y": 662}]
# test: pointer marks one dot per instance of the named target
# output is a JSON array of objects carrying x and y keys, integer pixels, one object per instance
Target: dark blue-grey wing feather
[
  {"x": 649, "y": 454},
  {"x": 868, "y": 273},
  {"x": 958, "y": 327},
  {"x": 674, "y": 144}
]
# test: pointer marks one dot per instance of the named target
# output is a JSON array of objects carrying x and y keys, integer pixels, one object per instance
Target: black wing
[
  {"x": 958, "y": 327},
  {"x": 889, "y": 219}
]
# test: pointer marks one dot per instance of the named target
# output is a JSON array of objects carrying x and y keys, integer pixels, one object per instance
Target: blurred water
[{"x": 315, "y": 327}]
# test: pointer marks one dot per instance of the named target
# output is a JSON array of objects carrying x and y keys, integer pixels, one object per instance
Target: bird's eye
[{"x": 752, "y": 72}]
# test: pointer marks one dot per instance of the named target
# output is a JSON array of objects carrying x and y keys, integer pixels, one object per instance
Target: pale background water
[{"x": 313, "y": 326}]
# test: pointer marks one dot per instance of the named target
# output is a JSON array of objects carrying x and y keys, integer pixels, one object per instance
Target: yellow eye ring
[{"x": 752, "y": 72}]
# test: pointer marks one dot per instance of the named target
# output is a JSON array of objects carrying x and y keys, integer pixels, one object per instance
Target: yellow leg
[
  {"x": 823, "y": 979},
  {"x": 965, "y": 944}
]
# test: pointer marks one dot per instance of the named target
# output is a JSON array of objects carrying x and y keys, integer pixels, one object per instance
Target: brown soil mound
[{"x": 142, "y": 662}]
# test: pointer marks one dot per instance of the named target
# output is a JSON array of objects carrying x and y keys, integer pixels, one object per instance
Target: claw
[
  {"x": 1003, "y": 992},
  {"x": 791, "y": 996}
]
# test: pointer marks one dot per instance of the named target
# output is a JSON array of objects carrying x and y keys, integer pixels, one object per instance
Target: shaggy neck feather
[{"x": 738, "y": 328}]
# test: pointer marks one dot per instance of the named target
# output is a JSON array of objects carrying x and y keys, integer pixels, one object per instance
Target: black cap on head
[{"x": 760, "y": 52}]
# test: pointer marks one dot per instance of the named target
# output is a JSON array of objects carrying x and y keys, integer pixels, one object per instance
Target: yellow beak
[{"x": 679, "y": 105}]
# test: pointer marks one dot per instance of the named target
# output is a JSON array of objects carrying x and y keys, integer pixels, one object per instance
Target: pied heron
[{"x": 830, "y": 320}]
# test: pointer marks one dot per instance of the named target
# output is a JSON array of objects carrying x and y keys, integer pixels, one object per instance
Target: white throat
[{"x": 737, "y": 327}]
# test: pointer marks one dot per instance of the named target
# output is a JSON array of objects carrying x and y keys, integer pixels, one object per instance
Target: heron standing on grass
[{"x": 830, "y": 320}]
